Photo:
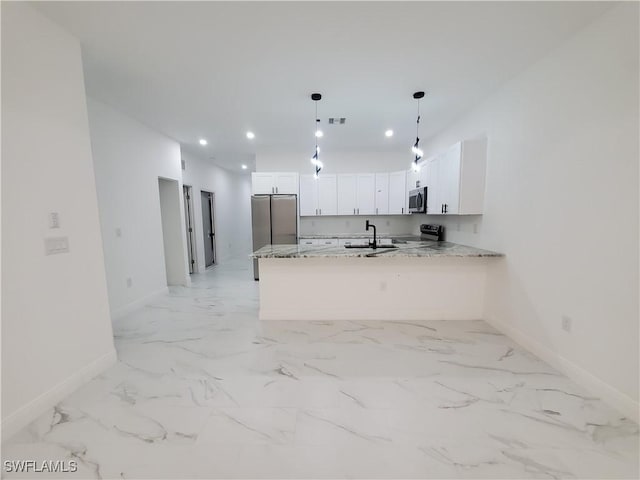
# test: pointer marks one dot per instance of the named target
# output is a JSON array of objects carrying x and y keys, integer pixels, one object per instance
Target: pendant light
[
  {"x": 416, "y": 146},
  {"x": 315, "y": 159}
]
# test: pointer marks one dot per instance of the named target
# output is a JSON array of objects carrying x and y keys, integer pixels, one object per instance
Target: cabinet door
[
  {"x": 328, "y": 241},
  {"x": 382, "y": 193},
  {"x": 308, "y": 196},
  {"x": 347, "y": 194},
  {"x": 308, "y": 241},
  {"x": 397, "y": 193},
  {"x": 327, "y": 195},
  {"x": 286, "y": 183},
  {"x": 432, "y": 171},
  {"x": 451, "y": 180},
  {"x": 366, "y": 191},
  {"x": 262, "y": 183}
]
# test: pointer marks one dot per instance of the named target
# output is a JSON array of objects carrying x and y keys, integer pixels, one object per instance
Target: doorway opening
[
  {"x": 208, "y": 227},
  {"x": 187, "y": 192},
  {"x": 172, "y": 237}
]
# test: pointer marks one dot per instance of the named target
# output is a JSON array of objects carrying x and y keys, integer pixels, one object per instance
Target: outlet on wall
[
  {"x": 475, "y": 228},
  {"x": 566, "y": 323},
  {"x": 129, "y": 282},
  {"x": 118, "y": 232}
]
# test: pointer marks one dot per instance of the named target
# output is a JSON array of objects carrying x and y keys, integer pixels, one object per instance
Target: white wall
[
  {"x": 396, "y": 224},
  {"x": 562, "y": 204},
  {"x": 232, "y": 208},
  {"x": 173, "y": 232},
  {"x": 334, "y": 162},
  {"x": 129, "y": 157},
  {"x": 56, "y": 330}
]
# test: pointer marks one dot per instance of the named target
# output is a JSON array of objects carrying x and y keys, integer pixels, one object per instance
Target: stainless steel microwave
[{"x": 418, "y": 200}]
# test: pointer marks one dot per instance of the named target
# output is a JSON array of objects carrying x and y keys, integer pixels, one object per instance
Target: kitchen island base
[{"x": 362, "y": 288}]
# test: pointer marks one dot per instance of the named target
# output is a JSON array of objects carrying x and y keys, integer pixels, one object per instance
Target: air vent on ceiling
[{"x": 337, "y": 121}]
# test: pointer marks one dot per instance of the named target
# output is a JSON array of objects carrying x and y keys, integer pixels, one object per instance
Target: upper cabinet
[
  {"x": 382, "y": 194},
  {"x": 356, "y": 194},
  {"x": 398, "y": 198},
  {"x": 456, "y": 179},
  {"x": 265, "y": 183},
  {"x": 318, "y": 196}
]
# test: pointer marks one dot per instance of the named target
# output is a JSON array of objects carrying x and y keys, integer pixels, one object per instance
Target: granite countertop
[{"x": 408, "y": 249}]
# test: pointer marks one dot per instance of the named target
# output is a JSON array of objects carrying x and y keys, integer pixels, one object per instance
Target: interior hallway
[{"x": 202, "y": 389}]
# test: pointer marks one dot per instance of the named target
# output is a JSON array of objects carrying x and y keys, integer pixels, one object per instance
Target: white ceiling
[{"x": 218, "y": 69}]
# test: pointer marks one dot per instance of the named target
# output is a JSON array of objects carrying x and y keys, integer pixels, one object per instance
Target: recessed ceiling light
[
  {"x": 251, "y": 135},
  {"x": 388, "y": 133},
  {"x": 203, "y": 142},
  {"x": 244, "y": 167},
  {"x": 319, "y": 133}
]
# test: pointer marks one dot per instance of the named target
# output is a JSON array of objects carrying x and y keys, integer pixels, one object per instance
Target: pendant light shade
[
  {"x": 315, "y": 159},
  {"x": 415, "y": 149}
]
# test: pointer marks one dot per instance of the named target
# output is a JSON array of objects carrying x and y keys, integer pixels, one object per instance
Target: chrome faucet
[{"x": 373, "y": 244}]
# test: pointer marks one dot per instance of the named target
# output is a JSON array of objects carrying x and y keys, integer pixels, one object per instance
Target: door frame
[
  {"x": 212, "y": 204},
  {"x": 190, "y": 227}
]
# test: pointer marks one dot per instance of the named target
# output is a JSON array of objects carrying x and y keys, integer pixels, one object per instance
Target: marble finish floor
[{"x": 203, "y": 389}]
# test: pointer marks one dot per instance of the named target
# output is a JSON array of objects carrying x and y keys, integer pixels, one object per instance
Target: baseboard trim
[
  {"x": 607, "y": 393},
  {"x": 19, "y": 419},
  {"x": 136, "y": 304}
]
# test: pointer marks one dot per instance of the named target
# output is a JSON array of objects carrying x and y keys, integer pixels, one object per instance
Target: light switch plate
[
  {"x": 55, "y": 245},
  {"x": 54, "y": 220}
]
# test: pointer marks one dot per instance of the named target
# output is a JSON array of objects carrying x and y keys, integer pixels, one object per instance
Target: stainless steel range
[{"x": 430, "y": 231}]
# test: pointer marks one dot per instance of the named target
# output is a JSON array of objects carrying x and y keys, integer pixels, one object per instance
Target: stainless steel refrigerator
[{"x": 275, "y": 222}]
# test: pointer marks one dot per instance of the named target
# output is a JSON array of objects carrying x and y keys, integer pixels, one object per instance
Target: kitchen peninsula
[{"x": 413, "y": 280}]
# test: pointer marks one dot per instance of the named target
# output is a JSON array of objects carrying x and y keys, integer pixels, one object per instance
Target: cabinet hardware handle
[
  {"x": 354, "y": 211},
  {"x": 320, "y": 211},
  {"x": 376, "y": 210},
  {"x": 358, "y": 211},
  {"x": 276, "y": 189},
  {"x": 402, "y": 210}
]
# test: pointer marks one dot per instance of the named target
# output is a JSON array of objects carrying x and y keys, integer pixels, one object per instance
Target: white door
[
  {"x": 366, "y": 194},
  {"x": 262, "y": 183},
  {"x": 286, "y": 183},
  {"x": 398, "y": 193},
  {"x": 347, "y": 194},
  {"x": 308, "y": 196},
  {"x": 327, "y": 195},
  {"x": 382, "y": 193}
]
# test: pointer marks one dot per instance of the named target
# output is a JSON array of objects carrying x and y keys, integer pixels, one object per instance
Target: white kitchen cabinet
[
  {"x": 456, "y": 179},
  {"x": 308, "y": 241},
  {"x": 397, "y": 198},
  {"x": 382, "y": 194},
  {"x": 318, "y": 195},
  {"x": 327, "y": 195},
  {"x": 308, "y": 196},
  {"x": 328, "y": 241},
  {"x": 347, "y": 194},
  {"x": 352, "y": 241},
  {"x": 433, "y": 179},
  {"x": 356, "y": 194},
  {"x": 366, "y": 187},
  {"x": 265, "y": 183}
]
